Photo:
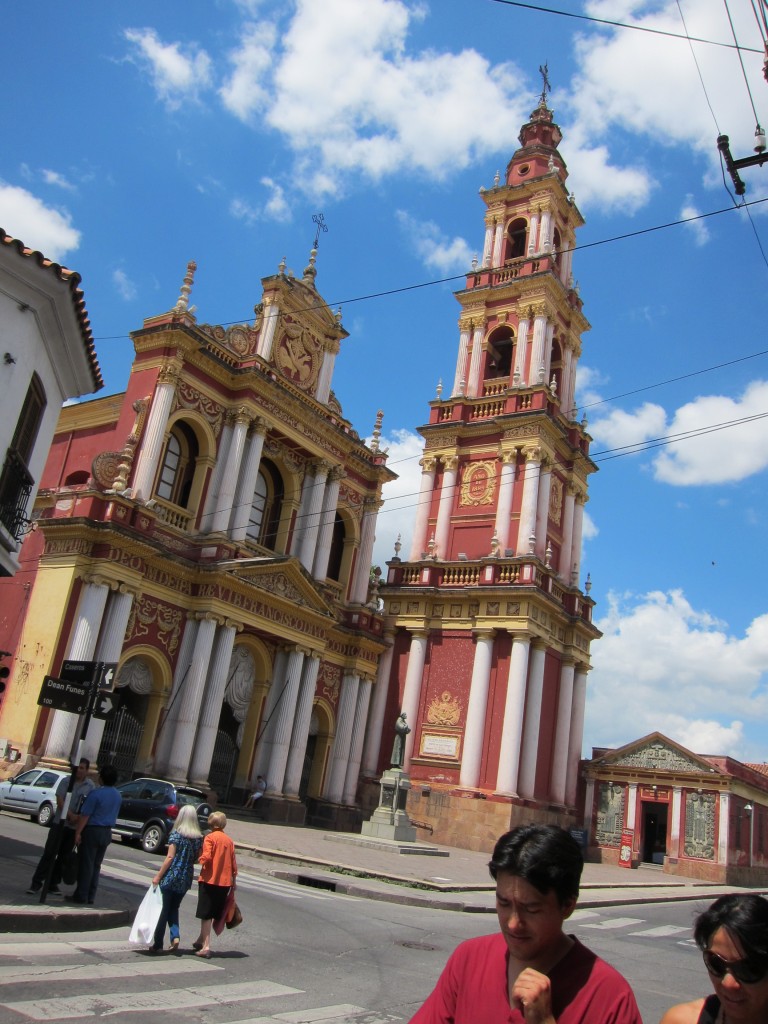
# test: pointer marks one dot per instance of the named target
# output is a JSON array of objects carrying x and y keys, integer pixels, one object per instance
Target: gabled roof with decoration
[{"x": 72, "y": 280}]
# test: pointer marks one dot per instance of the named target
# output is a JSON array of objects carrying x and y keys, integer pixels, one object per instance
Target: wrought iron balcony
[{"x": 16, "y": 485}]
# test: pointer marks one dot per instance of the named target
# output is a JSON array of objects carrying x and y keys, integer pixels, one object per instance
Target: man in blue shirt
[{"x": 93, "y": 833}]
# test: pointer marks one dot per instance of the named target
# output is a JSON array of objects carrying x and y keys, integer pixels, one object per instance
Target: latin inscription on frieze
[{"x": 659, "y": 755}]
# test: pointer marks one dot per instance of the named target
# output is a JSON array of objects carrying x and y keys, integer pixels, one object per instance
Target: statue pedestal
[{"x": 390, "y": 819}]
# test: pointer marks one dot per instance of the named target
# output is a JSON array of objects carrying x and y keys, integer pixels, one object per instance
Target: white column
[
  {"x": 301, "y": 518},
  {"x": 82, "y": 645},
  {"x": 109, "y": 649},
  {"x": 514, "y": 711},
  {"x": 462, "y": 370},
  {"x": 474, "y": 385},
  {"x": 566, "y": 260},
  {"x": 226, "y": 496},
  {"x": 545, "y": 232},
  {"x": 488, "y": 245},
  {"x": 447, "y": 495},
  {"x": 359, "y": 591},
  {"x": 589, "y": 804},
  {"x": 212, "y": 495},
  {"x": 327, "y": 523},
  {"x": 538, "y": 355},
  {"x": 576, "y": 737},
  {"x": 521, "y": 353},
  {"x": 417, "y": 655},
  {"x": 372, "y": 746},
  {"x": 190, "y": 700},
  {"x": 168, "y": 725},
  {"x": 300, "y": 732},
  {"x": 530, "y": 751},
  {"x": 241, "y": 513},
  {"x": 566, "y": 384},
  {"x": 676, "y": 815},
  {"x": 564, "y": 568},
  {"x": 542, "y": 509},
  {"x": 267, "y": 336},
  {"x": 313, "y": 513},
  {"x": 562, "y": 733},
  {"x": 527, "y": 524},
  {"x": 210, "y": 715},
  {"x": 325, "y": 376},
  {"x": 474, "y": 729},
  {"x": 154, "y": 433},
  {"x": 284, "y": 717},
  {"x": 631, "y": 814},
  {"x": 498, "y": 242},
  {"x": 267, "y": 724},
  {"x": 419, "y": 542},
  {"x": 504, "y": 504},
  {"x": 723, "y": 837},
  {"x": 345, "y": 717},
  {"x": 533, "y": 234},
  {"x": 356, "y": 742},
  {"x": 548, "y": 353},
  {"x": 578, "y": 526}
]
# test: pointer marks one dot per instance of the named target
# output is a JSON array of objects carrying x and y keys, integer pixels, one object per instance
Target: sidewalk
[{"x": 421, "y": 874}]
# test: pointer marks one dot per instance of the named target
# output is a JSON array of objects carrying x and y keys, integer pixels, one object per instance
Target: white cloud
[
  {"x": 697, "y": 228},
  {"x": 659, "y": 655},
  {"x": 241, "y": 209},
  {"x": 718, "y": 455},
  {"x": 620, "y": 429},
  {"x": 38, "y": 226},
  {"x": 176, "y": 76},
  {"x": 401, "y": 496},
  {"x": 435, "y": 249},
  {"x": 54, "y": 178},
  {"x": 126, "y": 289},
  {"x": 276, "y": 206},
  {"x": 246, "y": 91}
]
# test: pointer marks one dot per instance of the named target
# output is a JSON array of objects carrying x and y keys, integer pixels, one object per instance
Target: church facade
[
  {"x": 210, "y": 531},
  {"x": 489, "y": 623}
]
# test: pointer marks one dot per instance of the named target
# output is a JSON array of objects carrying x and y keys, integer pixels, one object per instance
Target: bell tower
[{"x": 491, "y": 628}]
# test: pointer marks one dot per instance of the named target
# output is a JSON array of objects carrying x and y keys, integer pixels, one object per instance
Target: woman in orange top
[{"x": 217, "y": 876}]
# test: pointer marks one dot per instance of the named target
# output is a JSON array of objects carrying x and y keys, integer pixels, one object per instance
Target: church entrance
[{"x": 654, "y": 834}]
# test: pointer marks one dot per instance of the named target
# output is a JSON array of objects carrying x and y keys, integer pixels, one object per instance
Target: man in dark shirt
[{"x": 93, "y": 833}]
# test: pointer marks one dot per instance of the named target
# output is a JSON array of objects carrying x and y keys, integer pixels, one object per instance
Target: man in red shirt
[{"x": 532, "y": 972}]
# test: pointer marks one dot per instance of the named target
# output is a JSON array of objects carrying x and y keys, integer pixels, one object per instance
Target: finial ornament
[
  {"x": 282, "y": 265},
  {"x": 474, "y": 262},
  {"x": 548, "y": 556},
  {"x": 495, "y": 545},
  {"x": 588, "y": 584},
  {"x": 182, "y": 304},
  {"x": 546, "y": 87},
  {"x": 398, "y": 546},
  {"x": 439, "y": 388},
  {"x": 496, "y": 179},
  {"x": 377, "y": 431}
]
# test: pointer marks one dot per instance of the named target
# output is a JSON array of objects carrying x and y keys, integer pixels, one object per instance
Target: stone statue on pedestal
[{"x": 398, "y": 747}]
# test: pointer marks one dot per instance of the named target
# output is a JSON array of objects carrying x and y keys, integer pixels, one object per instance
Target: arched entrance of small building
[{"x": 654, "y": 834}]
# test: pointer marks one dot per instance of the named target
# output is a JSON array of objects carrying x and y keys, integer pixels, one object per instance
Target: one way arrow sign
[{"x": 105, "y": 705}]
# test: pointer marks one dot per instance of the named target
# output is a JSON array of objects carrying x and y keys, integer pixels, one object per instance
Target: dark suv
[{"x": 149, "y": 808}]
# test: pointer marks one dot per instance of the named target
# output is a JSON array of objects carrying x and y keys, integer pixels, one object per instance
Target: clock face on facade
[{"x": 298, "y": 356}]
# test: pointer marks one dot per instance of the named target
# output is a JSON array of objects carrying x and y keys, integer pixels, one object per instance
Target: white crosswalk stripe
[
  {"x": 614, "y": 923},
  {"x": 662, "y": 930}
]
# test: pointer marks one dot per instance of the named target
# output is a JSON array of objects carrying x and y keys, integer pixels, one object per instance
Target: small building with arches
[{"x": 210, "y": 530}]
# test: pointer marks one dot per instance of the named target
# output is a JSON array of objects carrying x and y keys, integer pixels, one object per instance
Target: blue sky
[{"x": 138, "y": 137}]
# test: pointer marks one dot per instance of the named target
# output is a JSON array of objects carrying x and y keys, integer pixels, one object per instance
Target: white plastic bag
[{"x": 147, "y": 916}]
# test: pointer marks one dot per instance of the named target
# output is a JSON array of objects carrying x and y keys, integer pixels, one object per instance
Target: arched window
[
  {"x": 556, "y": 367},
  {"x": 337, "y": 549},
  {"x": 517, "y": 233},
  {"x": 266, "y": 507},
  {"x": 500, "y": 348},
  {"x": 177, "y": 469}
]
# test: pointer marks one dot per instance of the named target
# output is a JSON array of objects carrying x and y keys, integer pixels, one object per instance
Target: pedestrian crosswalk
[{"x": 74, "y": 979}]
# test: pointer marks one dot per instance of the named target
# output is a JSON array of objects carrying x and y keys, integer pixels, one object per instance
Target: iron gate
[
  {"x": 223, "y": 765},
  {"x": 120, "y": 742}
]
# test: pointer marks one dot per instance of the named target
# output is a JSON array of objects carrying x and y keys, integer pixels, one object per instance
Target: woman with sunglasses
[{"x": 733, "y": 938}]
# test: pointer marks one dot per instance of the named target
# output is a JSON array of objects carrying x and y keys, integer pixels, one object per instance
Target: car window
[
  {"x": 26, "y": 778},
  {"x": 157, "y": 791},
  {"x": 130, "y": 790},
  {"x": 47, "y": 780},
  {"x": 182, "y": 798}
]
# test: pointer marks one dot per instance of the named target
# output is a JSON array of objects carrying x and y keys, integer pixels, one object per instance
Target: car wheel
[
  {"x": 44, "y": 814},
  {"x": 152, "y": 839}
]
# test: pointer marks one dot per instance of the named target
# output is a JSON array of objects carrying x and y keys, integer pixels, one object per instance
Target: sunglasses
[{"x": 744, "y": 971}]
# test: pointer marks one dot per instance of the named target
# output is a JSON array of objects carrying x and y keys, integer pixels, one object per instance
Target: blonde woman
[
  {"x": 217, "y": 876},
  {"x": 176, "y": 874}
]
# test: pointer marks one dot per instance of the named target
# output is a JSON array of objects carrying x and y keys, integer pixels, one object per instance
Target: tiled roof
[
  {"x": 72, "y": 279},
  {"x": 762, "y": 768}
]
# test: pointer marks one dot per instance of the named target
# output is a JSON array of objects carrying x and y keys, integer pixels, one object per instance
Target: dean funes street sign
[
  {"x": 105, "y": 705},
  {"x": 63, "y": 695}
]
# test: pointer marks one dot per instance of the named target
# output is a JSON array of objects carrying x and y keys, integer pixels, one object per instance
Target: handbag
[
  {"x": 69, "y": 867},
  {"x": 226, "y": 913},
  {"x": 236, "y": 917},
  {"x": 147, "y": 916}
]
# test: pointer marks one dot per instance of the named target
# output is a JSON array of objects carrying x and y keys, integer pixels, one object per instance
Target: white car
[{"x": 32, "y": 793}]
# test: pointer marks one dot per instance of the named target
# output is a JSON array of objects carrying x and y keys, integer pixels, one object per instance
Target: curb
[{"x": 12, "y": 920}]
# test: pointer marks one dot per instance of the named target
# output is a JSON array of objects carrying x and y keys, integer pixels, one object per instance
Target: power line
[{"x": 623, "y": 24}]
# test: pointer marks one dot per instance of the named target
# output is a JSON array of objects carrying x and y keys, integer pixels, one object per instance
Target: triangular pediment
[
  {"x": 283, "y": 578},
  {"x": 654, "y": 752}
]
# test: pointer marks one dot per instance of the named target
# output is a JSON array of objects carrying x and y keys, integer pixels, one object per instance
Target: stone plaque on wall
[
  {"x": 437, "y": 745},
  {"x": 610, "y": 814},
  {"x": 700, "y": 825}
]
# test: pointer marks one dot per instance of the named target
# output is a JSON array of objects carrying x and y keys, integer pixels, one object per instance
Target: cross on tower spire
[
  {"x": 319, "y": 219},
  {"x": 546, "y": 87}
]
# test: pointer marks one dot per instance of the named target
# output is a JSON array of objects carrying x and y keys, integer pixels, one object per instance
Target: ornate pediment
[
  {"x": 656, "y": 753},
  {"x": 283, "y": 579}
]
